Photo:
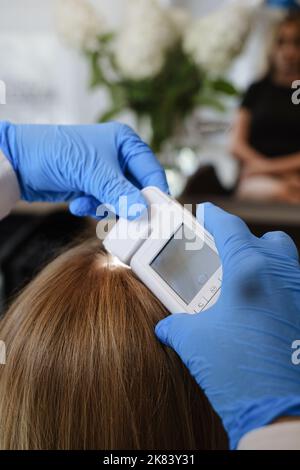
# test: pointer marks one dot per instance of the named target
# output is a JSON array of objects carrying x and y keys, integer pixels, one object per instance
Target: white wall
[
  {"x": 46, "y": 81},
  {"x": 200, "y": 7}
]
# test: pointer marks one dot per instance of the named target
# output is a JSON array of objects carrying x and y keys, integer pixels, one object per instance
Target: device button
[
  {"x": 213, "y": 289},
  {"x": 202, "y": 303},
  {"x": 202, "y": 279}
]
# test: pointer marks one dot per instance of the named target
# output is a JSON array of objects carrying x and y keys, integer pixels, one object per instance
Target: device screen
[{"x": 185, "y": 270}]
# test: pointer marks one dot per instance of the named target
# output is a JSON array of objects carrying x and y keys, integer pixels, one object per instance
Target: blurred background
[{"x": 210, "y": 84}]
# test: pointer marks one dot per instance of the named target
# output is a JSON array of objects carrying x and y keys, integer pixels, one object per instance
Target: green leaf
[
  {"x": 106, "y": 38},
  {"x": 224, "y": 86},
  {"x": 210, "y": 101},
  {"x": 95, "y": 71}
]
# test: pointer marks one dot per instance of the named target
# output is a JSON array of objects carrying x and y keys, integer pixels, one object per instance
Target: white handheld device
[{"x": 171, "y": 252}]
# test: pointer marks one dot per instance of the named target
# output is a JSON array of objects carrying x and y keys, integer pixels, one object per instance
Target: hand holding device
[
  {"x": 171, "y": 253},
  {"x": 85, "y": 164},
  {"x": 240, "y": 350}
]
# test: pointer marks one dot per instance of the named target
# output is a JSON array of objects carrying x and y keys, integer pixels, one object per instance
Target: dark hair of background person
[
  {"x": 85, "y": 371},
  {"x": 292, "y": 18}
]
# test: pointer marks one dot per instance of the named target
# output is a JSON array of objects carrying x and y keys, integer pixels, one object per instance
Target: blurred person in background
[{"x": 266, "y": 134}]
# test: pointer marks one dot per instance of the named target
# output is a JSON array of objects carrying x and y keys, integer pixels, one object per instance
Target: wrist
[
  {"x": 247, "y": 415},
  {"x": 285, "y": 419},
  {"x": 9, "y": 186},
  {"x": 6, "y": 128},
  {"x": 279, "y": 436}
]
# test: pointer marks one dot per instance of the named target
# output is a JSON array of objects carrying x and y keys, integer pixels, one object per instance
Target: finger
[
  {"x": 123, "y": 198},
  {"x": 229, "y": 231},
  {"x": 139, "y": 161},
  {"x": 84, "y": 206},
  {"x": 283, "y": 243},
  {"x": 190, "y": 337},
  {"x": 171, "y": 330}
]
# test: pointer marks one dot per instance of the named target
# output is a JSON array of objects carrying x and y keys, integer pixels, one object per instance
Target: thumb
[
  {"x": 173, "y": 330},
  {"x": 282, "y": 243},
  {"x": 229, "y": 231}
]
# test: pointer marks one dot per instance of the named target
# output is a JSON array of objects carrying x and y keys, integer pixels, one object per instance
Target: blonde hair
[{"x": 85, "y": 371}]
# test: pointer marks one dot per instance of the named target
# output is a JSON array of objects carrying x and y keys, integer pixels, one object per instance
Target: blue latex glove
[
  {"x": 239, "y": 351},
  {"x": 87, "y": 165}
]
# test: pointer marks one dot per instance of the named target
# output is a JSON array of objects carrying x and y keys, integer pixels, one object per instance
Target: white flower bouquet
[{"x": 161, "y": 63}]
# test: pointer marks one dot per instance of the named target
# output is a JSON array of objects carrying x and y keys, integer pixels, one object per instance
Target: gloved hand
[
  {"x": 240, "y": 350},
  {"x": 87, "y": 165}
]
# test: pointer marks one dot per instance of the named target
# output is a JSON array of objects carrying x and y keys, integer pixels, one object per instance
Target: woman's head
[
  {"x": 84, "y": 369},
  {"x": 285, "y": 58}
]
